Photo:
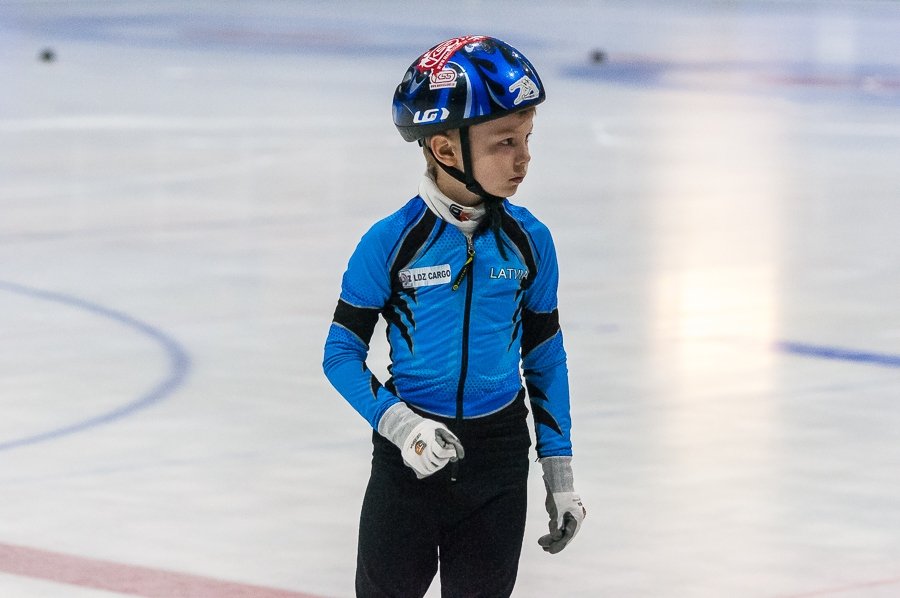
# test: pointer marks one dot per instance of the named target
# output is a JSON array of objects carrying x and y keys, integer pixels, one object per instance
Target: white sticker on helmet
[
  {"x": 528, "y": 90},
  {"x": 443, "y": 79}
]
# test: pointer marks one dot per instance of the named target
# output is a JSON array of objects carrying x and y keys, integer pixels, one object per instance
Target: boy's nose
[{"x": 524, "y": 155}]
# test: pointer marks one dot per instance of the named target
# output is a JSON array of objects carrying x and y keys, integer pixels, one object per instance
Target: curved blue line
[
  {"x": 179, "y": 365},
  {"x": 841, "y": 354}
]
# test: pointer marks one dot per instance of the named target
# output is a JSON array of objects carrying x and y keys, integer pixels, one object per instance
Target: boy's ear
[{"x": 443, "y": 149}]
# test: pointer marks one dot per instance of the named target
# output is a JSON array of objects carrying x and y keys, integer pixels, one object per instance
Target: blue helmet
[{"x": 464, "y": 81}]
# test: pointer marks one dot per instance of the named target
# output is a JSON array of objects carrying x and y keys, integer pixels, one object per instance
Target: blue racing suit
[{"x": 465, "y": 319}]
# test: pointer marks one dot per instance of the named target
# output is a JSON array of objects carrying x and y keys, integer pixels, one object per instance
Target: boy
[{"x": 467, "y": 284}]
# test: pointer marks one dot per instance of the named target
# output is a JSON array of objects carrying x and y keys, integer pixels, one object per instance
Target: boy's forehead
[{"x": 508, "y": 123}]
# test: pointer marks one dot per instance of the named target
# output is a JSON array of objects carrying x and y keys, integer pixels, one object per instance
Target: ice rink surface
[{"x": 180, "y": 190}]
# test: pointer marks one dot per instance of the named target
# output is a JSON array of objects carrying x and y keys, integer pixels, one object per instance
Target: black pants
[{"x": 473, "y": 526}]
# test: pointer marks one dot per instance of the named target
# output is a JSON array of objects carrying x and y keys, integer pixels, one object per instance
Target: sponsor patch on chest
[{"x": 425, "y": 277}]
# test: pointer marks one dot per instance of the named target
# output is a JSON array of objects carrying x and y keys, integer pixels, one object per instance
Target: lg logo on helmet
[{"x": 430, "y": 116}]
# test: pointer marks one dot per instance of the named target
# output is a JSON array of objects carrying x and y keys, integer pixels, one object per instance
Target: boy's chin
[{"x": 510, "y": 191}]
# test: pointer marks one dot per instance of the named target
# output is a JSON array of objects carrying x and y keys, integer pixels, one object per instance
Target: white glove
[
  {"x": 425, "y": 445},
  {"x": 563, "y": 504}
]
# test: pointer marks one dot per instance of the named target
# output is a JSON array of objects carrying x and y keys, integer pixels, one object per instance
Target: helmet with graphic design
[{"x": 464, "y": 81}]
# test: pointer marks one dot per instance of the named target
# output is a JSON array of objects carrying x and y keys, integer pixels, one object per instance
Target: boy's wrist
[
  {"x": 397, "y": 422},
  {"x": 558, "y": 474}
]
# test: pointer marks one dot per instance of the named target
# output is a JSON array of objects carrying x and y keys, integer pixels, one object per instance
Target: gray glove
[
  {"x": 563, "y": 504},
  {"x": 425, "y": 445}
]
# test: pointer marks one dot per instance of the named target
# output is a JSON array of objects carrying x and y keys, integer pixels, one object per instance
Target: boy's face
[{"x": 500, "y": 154}]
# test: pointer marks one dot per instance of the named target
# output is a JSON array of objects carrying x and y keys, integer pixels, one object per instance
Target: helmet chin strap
[{"x": 467, "y": 175}]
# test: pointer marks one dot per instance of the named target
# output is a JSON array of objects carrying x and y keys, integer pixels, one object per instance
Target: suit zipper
[
  {"x": 464, "y": 361},
  {"x": 470, "y": 257}
]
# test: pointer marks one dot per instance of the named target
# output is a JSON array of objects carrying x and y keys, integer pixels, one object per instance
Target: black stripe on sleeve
[
  {"x": 374, "y": 385},
  {"x": 358, "y": 320},
  {"x": 538, "y": 328},
  {"x": 541, "y": 415}
]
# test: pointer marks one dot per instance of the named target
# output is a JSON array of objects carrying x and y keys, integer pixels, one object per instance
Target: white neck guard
[{"x": 464, "y": 218}]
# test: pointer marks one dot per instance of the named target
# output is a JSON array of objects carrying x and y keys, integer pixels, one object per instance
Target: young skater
[{"x": 467, "y": 284}]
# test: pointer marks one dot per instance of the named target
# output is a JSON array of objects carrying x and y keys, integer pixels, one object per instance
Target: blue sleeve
[
  {"x": 543, "y": 354},
  {"x": 365, "y": 289}
]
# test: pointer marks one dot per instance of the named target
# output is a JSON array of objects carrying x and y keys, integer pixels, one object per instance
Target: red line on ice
[{"x": 125, "y": 579}]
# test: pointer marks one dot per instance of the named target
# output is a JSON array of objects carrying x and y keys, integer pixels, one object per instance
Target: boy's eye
[{"x": 512, "y": 141}]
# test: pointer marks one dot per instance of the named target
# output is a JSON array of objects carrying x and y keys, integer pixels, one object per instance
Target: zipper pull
[{"x": 470, "y": 252}]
